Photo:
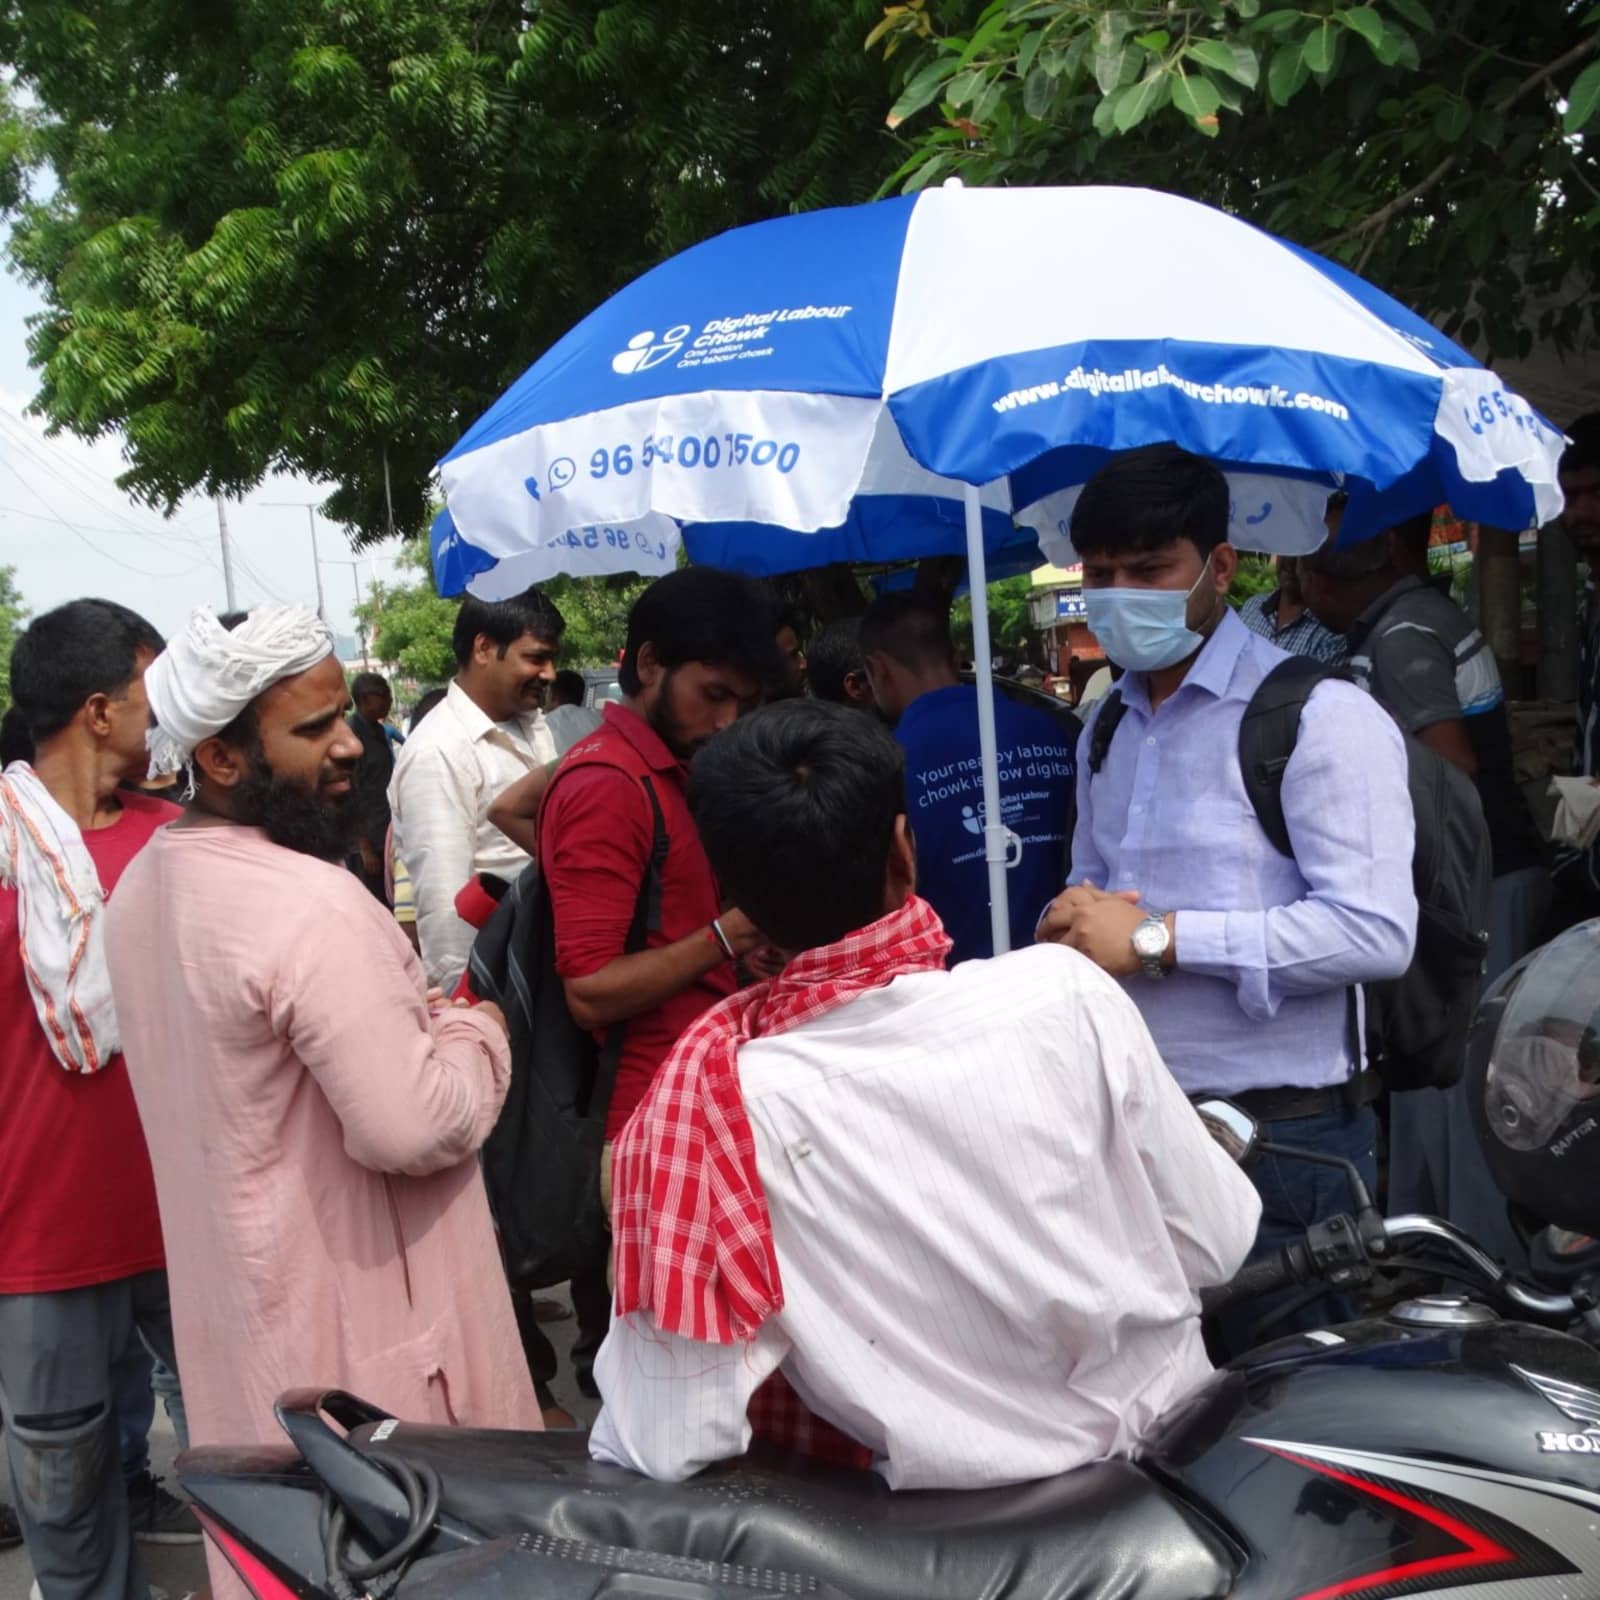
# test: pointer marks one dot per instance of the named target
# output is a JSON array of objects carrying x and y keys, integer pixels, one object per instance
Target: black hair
[
  {"x": 425, "y": 705},
  {"x": 506, "y": 621},
  {"x": 1146, "y": 498},
  {"x": 230, "y": 620},
  {"x": 1414, "y": 535},
  {"x": 912, "y": 628},
  {"x": 366, "y": 683},
  {"x": 1367, "y": 559},
  {"x": 16, "y": 743},
  {"x": 1584, "y": 451},
  {"x": 568, "y": 689},
  {"x": 834, "y": 654},
  {"x": 83, "y": 648},
  {"x": 796, "y": 806},
  {"x": 701, "y": 614},
  {"x": 789, "y": 617}
]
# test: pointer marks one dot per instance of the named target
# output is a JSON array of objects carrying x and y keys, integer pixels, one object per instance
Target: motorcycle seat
[{"x": 1105, "y": 1531}]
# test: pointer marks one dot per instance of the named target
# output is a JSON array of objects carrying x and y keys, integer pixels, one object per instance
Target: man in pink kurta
[{"x": 313, "y": 1117}]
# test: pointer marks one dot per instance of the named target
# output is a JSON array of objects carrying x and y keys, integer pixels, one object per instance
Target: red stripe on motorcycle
[
  {"x": 261, "y": 1581},
  {"x": 1477, "y": 1549}
]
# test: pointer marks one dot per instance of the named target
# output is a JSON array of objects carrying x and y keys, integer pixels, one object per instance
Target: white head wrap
[{"x": 207, "y": 675}]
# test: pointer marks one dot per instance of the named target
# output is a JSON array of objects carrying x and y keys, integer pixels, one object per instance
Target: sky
[{"x": 69, "y": 531}]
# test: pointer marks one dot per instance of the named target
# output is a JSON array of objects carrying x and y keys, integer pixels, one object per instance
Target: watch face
[{"x": 1150, "y": 939}]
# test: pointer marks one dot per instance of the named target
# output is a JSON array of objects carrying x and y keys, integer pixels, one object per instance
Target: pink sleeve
[{"x": 413, "y": 1094}]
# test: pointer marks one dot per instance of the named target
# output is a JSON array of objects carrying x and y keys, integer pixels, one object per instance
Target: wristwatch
[{"x": 1150, "y": 942}]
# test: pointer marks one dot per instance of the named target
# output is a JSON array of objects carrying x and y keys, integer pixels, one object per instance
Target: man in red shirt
[
  {"x": 701, "y": 652},
  {"x": 82, "y": 1269}
]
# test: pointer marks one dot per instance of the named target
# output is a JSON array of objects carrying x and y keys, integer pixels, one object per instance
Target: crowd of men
[{"x": 875, "y": 1191}]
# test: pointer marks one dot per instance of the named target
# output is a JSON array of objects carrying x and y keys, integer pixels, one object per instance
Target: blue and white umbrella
[{"x": 757, "y": 377}]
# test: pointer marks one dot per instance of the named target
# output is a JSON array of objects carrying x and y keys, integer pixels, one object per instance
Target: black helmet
[{"x": 1533, "y": 1080}]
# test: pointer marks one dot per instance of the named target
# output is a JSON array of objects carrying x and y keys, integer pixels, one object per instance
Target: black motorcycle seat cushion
[{"x": 1107, "y": 1532}]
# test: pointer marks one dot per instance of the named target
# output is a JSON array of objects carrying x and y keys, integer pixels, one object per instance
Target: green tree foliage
[
  {"x": 1254, "y": 575},
  {"x": 1447, "y": 148},
  {"x": 596, "y": 610},
  {"x": 323, "y": 234},
  {"x": 1010, "y": 625},
  {"x": 411, "y": 624},
  {"x": 13, "y": 613}
]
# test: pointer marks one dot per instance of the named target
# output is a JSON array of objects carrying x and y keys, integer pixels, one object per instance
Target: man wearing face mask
[{"x": 1241, "y": 959}]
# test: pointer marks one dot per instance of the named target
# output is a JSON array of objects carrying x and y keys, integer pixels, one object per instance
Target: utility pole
[
  {"x": 361, "y": 627},
  {"x": 227, "y": 554},
  {"x": 355, "y": 583},
  {"x": 322, "y": 607},
  {"x": 316, "y": 560}
]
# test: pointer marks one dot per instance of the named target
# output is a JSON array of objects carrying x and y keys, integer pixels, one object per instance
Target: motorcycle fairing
[
  {"x": 1437, "y": 1539},
  {"x": 1105, "y": 1530}
]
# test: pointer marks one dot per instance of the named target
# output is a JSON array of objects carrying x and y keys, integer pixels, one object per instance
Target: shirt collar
[
  {"x": 477, "y": 722},
  {"x": 644, "y": 739},
  {"x": 931, "y": 701},
  {"x": 1213, "y": 668},
  {"x": 1368, "y": 619}
]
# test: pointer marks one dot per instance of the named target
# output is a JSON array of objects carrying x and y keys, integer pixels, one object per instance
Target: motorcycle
[{"x": 1448, "y": 1446}]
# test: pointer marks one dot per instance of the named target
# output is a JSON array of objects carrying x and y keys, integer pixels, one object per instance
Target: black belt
[{"x": 1284, "y": 1105}]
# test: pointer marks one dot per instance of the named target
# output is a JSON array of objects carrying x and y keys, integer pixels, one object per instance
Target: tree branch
[{"x": 1391, "y": 208}]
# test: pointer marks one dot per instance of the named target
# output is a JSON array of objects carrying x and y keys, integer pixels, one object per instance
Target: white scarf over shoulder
[
  {"x": 60, "y": 921},
  {"x": 208, "y": 674}
]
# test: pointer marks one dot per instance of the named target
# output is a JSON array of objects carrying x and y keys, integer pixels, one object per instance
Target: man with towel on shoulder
[
  {"x": 81, "y": 1282},
  {"x": 314, "y": 1114}
]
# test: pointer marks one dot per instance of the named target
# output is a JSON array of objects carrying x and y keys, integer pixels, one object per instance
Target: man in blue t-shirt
[{"x": 905, "y": 644}]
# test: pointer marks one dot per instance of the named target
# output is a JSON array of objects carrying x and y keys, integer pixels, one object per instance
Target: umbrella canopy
[
  {"x": 745, "y": 380},
  {"x": 763, "y": 377},
  {"x": 900, "y": 512}
]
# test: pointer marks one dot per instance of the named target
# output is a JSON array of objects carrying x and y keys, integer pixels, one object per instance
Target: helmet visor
[{"x": 1543, "y": 1081}]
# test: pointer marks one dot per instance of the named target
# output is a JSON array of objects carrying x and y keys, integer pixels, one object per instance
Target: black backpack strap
[
  {"x": 1267, "y": 738},
  {"x": 647, "y": 912},
  {"x": 1105, "y": 729},
  {"x": 646, "y": 920}
]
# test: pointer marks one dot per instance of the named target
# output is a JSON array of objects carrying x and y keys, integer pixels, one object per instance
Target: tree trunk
[
  {"x": 1558, "y": 615},
  {"x": 1500, "y": 603}
]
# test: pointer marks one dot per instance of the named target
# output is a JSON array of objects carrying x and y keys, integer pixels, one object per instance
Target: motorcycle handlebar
[
  {"x": 1296, "y": 1264},
  {"x": 1257, "y": 1278},
  {"x": 1518, "y": 1295}
]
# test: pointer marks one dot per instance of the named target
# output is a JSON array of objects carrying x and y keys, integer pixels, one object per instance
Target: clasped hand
[{"x": 1096, "y": 922}]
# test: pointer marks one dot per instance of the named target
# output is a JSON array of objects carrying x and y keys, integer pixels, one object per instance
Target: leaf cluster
[
  {"x": 1450, "y": 150},
  {"x": 13, "y": 615},
  {"x": 322, "y": 235}
]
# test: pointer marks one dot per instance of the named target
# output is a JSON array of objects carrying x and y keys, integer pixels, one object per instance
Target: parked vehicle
[
  {"x": 1451, "y": 1445},
  {"x": 600, "y": 686}
]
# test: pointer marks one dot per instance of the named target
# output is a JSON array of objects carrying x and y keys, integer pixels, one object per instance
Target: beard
[
  {"x": 668, "y": 726},
  {"x": 297, "y": 815}
]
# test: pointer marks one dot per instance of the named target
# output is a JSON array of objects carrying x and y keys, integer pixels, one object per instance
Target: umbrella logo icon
[{"x": 643, "y": 352}]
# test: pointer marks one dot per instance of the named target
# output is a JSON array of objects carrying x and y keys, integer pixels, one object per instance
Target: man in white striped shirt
[
  {"x": 990, "y": 1208},
  {"x": 488, "y": 733}
]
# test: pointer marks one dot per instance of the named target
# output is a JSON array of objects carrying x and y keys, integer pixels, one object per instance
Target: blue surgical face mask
[{"x": 1144, "y": 630}]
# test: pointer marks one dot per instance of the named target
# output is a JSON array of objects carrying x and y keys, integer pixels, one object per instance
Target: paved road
[{"x": 181, "y": 1570}]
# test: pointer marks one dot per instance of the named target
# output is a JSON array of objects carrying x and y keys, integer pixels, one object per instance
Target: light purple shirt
[{"x": 1266, "y": 946}]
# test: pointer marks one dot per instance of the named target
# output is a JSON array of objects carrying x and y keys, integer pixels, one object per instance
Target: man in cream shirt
[{"x": 488, "y": 733}]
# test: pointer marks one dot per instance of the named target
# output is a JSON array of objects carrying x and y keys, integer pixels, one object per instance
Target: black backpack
[
  {"x": 541, "y": 1164},
  {"x": 1417, "y": 1023}
]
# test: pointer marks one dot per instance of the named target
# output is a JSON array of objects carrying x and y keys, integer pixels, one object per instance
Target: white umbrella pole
[{"x": 996, "y": 835}]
